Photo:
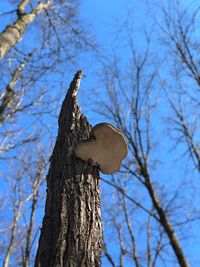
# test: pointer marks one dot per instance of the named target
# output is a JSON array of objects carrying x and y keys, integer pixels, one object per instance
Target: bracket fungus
[{"x": 105, "y": 148}]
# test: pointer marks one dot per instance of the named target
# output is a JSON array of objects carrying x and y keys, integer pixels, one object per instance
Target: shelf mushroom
[{"x": 106, "y": 148}]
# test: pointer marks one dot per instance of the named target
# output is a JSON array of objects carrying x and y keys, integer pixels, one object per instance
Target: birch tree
[{"x": 13, "y": 33}]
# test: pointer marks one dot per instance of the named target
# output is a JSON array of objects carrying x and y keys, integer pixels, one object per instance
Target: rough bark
[
  {"x": 71, "y": 231},
  {"x": 13, "y": 33}
]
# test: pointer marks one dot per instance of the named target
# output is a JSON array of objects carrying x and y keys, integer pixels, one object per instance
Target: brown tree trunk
[{"x": 71, "y": 231}]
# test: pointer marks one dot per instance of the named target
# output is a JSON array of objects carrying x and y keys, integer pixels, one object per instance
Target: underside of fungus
[{"x": 106, "y": 148}]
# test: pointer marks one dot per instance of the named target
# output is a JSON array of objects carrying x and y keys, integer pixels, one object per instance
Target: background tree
[
  {"x": 147, "y": 78},
  {"x": 149, "y": 99},
  {"x": 26, "y": 71},
  {"x": 20, "y": 224},
  {"x": 179, "y": 31},
  {"x": 39, "y": 44}
]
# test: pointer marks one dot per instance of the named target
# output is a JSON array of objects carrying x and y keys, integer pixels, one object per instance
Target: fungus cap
[{"x": 105, "y": 148}]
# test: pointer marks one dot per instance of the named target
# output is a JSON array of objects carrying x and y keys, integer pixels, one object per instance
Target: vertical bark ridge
[{"x": 71, "y": 231}]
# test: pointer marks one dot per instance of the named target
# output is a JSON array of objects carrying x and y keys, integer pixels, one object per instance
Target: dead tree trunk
[{"x": 71, "y": 231}]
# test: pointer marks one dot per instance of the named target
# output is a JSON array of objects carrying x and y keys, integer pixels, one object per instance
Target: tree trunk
[
  {"x": 17, "y": 213},
  {"x": 13, "y": 33},
  {"x": 174, "y": 241},
  {"x": 71, "y": 231}
]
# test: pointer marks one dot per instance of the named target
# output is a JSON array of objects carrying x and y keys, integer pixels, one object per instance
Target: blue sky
[{"x": 105, "y": 18}]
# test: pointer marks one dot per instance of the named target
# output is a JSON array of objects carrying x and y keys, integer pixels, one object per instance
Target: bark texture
[{"x": 71, "y": 231}]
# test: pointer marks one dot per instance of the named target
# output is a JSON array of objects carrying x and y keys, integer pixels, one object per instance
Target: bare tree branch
[
  {"x": 10, "y": 102},
  {"x": 17, "y": 205},
  {"x": 131, "y": 232}
]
